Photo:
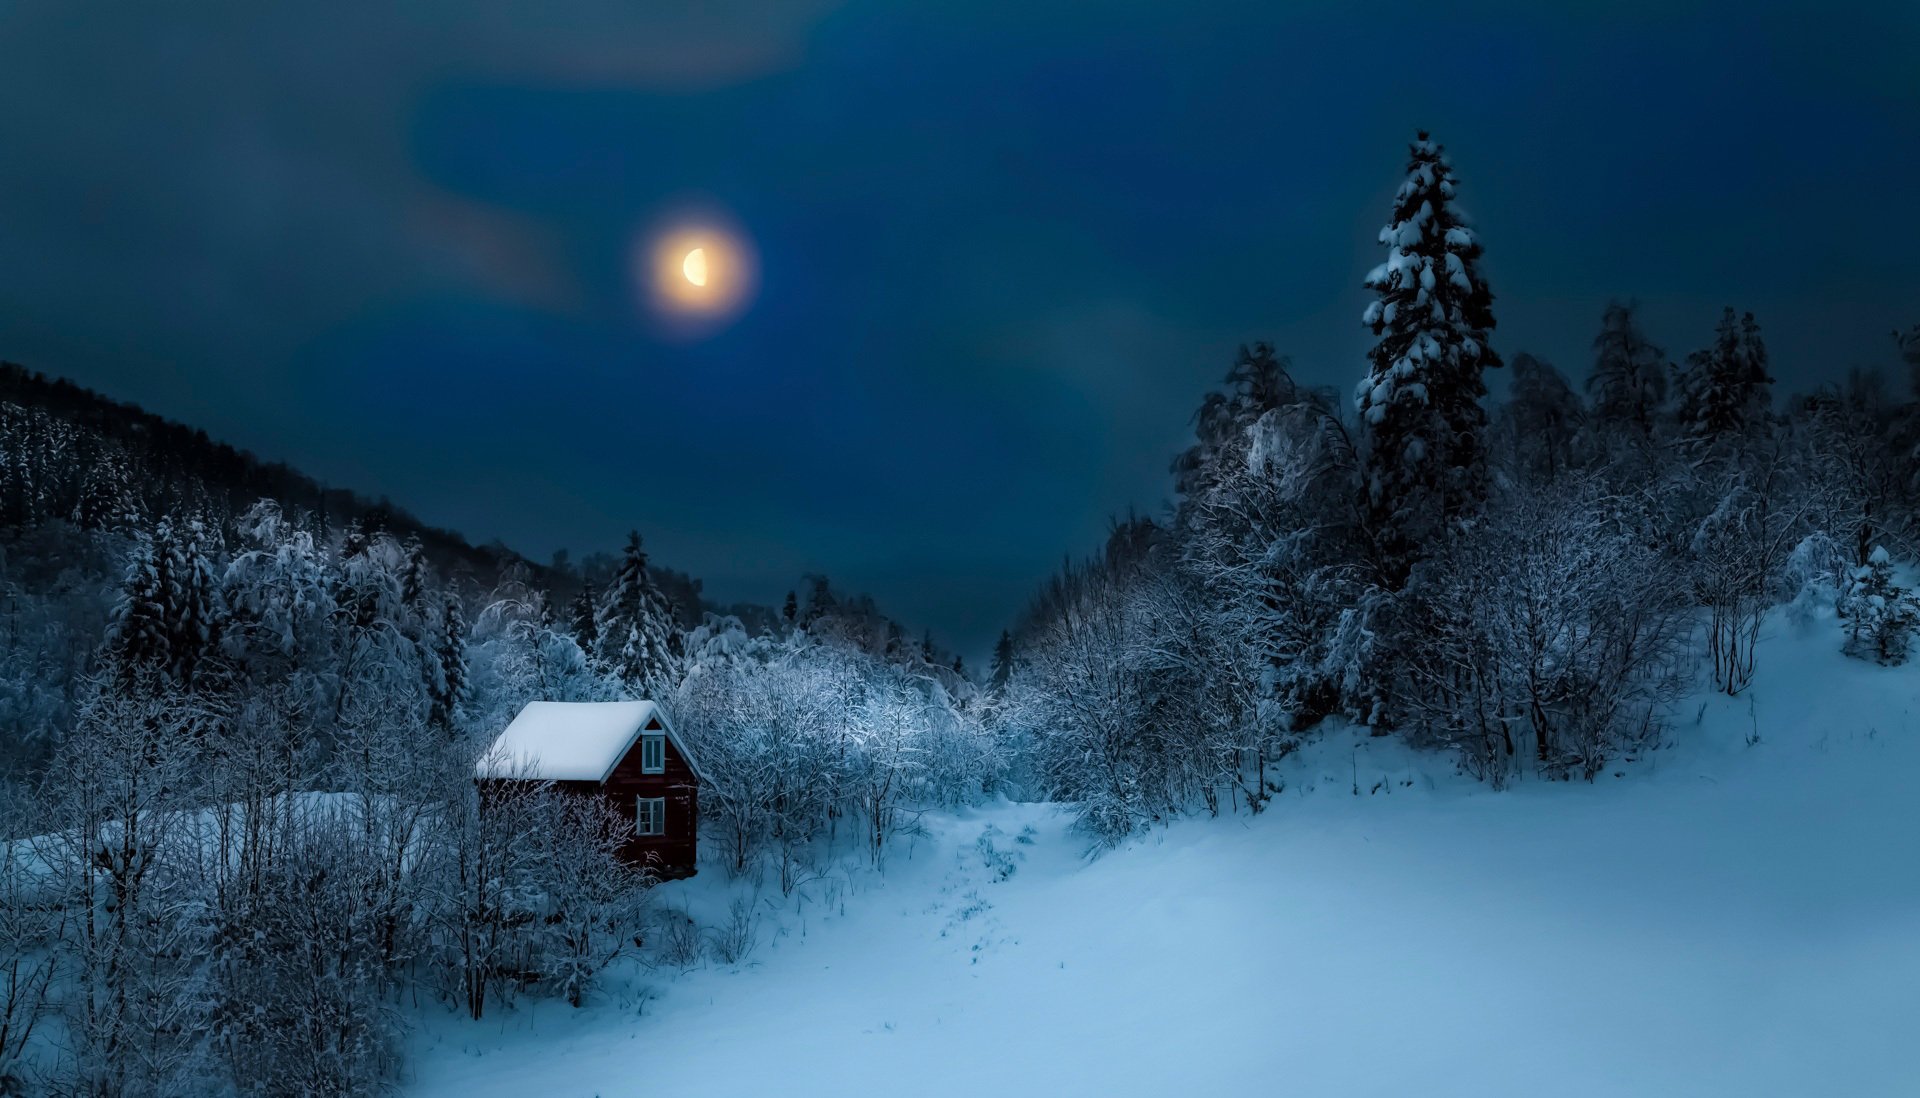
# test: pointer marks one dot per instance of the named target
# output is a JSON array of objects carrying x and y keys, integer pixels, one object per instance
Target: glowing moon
[{"x": 698, "y": 270}]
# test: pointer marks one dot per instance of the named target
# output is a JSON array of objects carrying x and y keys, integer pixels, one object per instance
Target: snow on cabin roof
[{"x": 573, "y": 741}]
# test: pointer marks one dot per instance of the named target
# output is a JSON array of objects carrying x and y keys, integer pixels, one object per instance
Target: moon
[
  {"x": 695, "y": 266},
  {"x": 698, "y": 269}
]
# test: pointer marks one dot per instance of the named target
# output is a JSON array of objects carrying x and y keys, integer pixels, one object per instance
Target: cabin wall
[{"x": 670, "y": 855}]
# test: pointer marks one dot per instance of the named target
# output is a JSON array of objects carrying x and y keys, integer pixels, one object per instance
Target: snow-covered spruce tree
[
  {"x": 413, "y": 585},
  {"x": 108, "y": 499},
  {"x": 580, "y": 619},
  {"x": 1880, "y": 613},
  {"x": 1629, "y": 380},
  {"x": 138, "y": 641},
  {"x": 449, "y": 687},
  {"x": 195, "y": 614},
  {"x": 167, "y": 622},
  {"x": 1725, "y": 391},
  {"x": 280, "y": 604},
  {"x": 1003, "y": 657},
  {"x": 638, "y": 641},
  {"x": 1420, "y": 414}
]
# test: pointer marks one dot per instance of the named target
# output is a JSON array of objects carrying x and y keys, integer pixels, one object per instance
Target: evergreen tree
[
  {"x": 1002, "y": 669},
  {"x": 1629, "y": 381},
  {"x": 107, "y": 500},
  {"x": 1880, "y": 613},
  {"x": 413, "y": 580},
  {"x": 637, "y": 639},
  {"x": 1258, "y": 383},
  {"x": 586, "y": 632},
  {"x": 791, "y": 611},
  {"x": 1725, "y": 390},
  {"x": 450, "y": 655},
  {"x": 167, "y": 620},
  {"x": 1420, "y": 404},
  {"x": 926, "y": 646},
  {"x": 194, "y": 611},
  {"x": 821, "y": 602},
  {"x": 138, "y": 639}
]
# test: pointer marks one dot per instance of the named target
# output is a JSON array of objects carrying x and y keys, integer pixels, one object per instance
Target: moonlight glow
[{"x": 697, "y": 272}]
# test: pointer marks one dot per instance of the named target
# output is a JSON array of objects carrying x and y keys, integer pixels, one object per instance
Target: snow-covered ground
[{"x": 1716, "y": 918}]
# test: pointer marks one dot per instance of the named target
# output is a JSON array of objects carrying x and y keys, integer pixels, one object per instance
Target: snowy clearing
[{"x": 1718, "y": 918}]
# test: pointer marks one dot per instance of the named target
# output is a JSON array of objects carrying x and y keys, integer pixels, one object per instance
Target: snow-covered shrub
[
  {"x": 1811, "y": 580},
  {"x": 798, "y": 733},
  {"x": 308, "y": 1006},
  {"x": 592, "y": 905},
  {"x": 1880, "y": 613},
  {"x": 1551, "y": 628}
]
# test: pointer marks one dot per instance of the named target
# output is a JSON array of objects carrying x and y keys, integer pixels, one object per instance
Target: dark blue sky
[{"x": 1004, "y": 246}]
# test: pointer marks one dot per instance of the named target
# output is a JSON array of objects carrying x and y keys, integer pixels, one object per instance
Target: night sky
[{"x": 1004, "y": 247}]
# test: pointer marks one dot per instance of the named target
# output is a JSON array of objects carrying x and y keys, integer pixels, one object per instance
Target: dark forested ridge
[{"x": 167, "y": 466}]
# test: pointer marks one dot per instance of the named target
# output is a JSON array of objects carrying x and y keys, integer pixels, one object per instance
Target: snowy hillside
[{"x": 1720, "y": 917}]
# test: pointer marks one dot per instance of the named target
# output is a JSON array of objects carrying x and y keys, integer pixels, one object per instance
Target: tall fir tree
[
  {"x": 195, "y": 613},
  {"x": 1725, "y": 391},
  {"x": 168, "y": 618},
  {"x": 580, "y": 615},
  {"x": 791, "y": 610},
  {"x": 1629, "y": 380},
  {"x": 638, "y": 642},
  {"x": 1425, "y": 463},
  {"x": 449, "y": 687},
  {"x": 138, "y": 640},
  {"x": 1003, "y": 657},
  {"x": 413, "y": 580}
]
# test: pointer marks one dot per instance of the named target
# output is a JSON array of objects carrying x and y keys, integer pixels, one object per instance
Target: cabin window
[
  {"x": 650, "y": 816},
  {"x": 653, "y": 754}
]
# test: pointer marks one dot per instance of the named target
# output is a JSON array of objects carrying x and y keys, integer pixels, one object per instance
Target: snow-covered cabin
[{"x": 626, "y": 752}]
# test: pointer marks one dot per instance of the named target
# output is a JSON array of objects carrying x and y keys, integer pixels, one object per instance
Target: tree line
[{"x": 1527, "y": 582}]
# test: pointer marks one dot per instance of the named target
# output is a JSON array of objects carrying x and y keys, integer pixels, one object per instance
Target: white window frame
[
  {"x": 650, "y": 816},
  {"x": 653, "y": 753}
]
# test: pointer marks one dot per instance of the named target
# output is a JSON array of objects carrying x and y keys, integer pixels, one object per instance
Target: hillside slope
[{"x": 1718, "y": 918}]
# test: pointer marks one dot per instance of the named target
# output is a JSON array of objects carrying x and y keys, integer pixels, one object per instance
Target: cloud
[{"x": 235, "y": 156}]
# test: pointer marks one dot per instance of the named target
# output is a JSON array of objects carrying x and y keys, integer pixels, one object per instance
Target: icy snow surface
[{"x": 1716, "y": 918}]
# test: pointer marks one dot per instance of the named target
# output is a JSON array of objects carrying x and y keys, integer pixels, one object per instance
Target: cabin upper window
[
  {"x": 653, "y": 754},
  {"x": 650, "y": 816}
]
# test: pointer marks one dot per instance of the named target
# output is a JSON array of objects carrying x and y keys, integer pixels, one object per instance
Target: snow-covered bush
[
  {"x": 1880, "y": 613},
  {"x": 1550, "y": 629}
]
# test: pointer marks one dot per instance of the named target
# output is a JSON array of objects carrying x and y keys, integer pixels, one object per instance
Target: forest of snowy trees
[
  {"x": 1525, "y": 583},
  {"x": 239, "y": 714},
  {"x": 238, "y": 747}
]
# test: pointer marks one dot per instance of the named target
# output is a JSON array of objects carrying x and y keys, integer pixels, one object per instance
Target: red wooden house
[{"x": 625, "y": 752}]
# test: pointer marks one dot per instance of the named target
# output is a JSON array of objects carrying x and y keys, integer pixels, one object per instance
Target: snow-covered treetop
[{"x": 1433, "y": 310}]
